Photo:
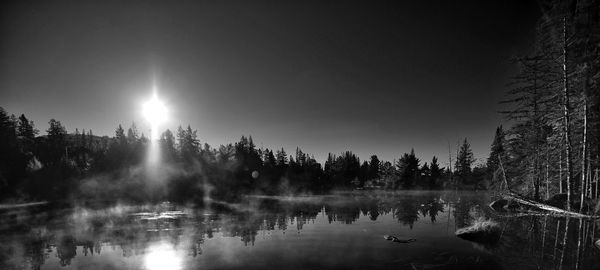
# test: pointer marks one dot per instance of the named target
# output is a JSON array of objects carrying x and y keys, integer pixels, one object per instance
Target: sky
[{"x": 373, "y": 77}]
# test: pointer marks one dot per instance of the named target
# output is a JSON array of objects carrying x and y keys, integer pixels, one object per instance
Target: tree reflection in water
[
  {"x": 66, "y": 250},
  {"x": 168, "y": 241}
]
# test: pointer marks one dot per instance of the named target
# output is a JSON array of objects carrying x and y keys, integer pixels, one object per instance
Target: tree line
[{"x": 59, "y": 165}]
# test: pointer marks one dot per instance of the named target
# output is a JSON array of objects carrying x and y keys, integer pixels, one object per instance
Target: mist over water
[{"x": 338, "y": 231}]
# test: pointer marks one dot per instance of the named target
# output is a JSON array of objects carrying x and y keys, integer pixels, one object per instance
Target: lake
[{"x": 339, "y": 231}]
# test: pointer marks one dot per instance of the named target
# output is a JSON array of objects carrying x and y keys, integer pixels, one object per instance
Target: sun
[{"x": 155, "y": 111}]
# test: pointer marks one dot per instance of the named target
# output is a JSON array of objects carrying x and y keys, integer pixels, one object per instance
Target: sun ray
[{"x": 155, "y": 112}]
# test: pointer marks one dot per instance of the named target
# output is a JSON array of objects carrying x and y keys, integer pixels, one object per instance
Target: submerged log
[
  {"x": 555, "y": 210},
  {"x": 560, "y": 201},
  {"x": 398, "y": 240},
  {"x": 518, "y": 214}
]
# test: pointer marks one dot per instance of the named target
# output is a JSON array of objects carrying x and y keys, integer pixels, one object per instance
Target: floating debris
[{"x": 398, "y": 240}]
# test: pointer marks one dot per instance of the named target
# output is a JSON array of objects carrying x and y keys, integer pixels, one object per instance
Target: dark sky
[{"x": 374, "y": 77}]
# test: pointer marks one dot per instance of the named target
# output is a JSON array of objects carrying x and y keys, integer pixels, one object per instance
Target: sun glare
[{"x": 155, "y": 111}]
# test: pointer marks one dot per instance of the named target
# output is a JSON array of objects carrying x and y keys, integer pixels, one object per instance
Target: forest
[
  {"x": 553, "y": 107},
  {"x": 81, "y": 165},
  {"x": 551, "y": 145}
]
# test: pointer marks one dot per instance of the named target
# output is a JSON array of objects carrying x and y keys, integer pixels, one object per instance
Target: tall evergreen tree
[
  {"x": 167, "y": 143},
  {"x": 26, "y": 134},
  {"x": 408, "y": 170},
  {"x": 435, "y": 173},
  {"x": 189, "y": 145},
  {"x": 497, "y": 155},
  {"x": 464, "y": 161},
  {"x": 132, "y": 133},
  {"x": 57, "y": 145},
  {"x": 120, "y": 135},
  {"x": 282, "y": 159},
  {"x": 389, "y": 175},
  {"x": 374, "y": 165}
]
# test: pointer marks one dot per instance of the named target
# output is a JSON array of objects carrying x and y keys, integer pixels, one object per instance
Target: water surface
[{"x": 341, "y": 231}]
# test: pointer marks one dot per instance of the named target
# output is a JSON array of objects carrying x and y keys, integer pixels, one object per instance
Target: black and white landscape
[{"x": 300, "y": 134}]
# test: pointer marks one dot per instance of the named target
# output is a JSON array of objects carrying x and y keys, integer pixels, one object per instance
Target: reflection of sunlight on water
[{"x": 162, "y": 257}]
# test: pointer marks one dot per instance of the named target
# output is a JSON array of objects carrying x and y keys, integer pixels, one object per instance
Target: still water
[{"x": 341, "y": 231}]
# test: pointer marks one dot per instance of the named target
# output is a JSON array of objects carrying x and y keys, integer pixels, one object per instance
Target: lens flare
[{"x": 155, "y": 113}]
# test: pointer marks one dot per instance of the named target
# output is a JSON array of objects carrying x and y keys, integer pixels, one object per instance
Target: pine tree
[
  {"x": 167, "y": 143},
  {"x": 497, "y": 155},
  {"x": 435, "y": 173},
  {"x": 464, "y": 161},
  {"x": 374, "y": 165},
  {"x": 132, "y": 134},
  {"x": 188, "y": 143},
  {"x": 408, "y": 170},
  {"x": 56, "y": 142},
  {"x": 120, "y": 135},
  {"x": 26, "y": 134},
  {"x": 282, "y": 159}
]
